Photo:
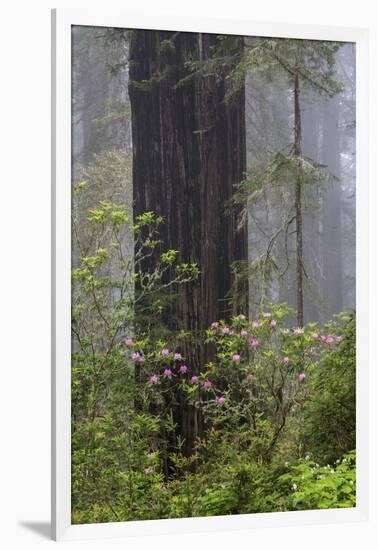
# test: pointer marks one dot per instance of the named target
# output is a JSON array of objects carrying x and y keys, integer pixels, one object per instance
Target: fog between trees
[{"x": 102, "y": 126}]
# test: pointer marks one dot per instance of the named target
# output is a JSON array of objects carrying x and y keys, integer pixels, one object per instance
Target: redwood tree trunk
[{"x": 188, "y": 151}]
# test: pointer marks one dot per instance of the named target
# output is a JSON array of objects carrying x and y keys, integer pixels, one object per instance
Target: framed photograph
[{"x": 210, "y": 297}]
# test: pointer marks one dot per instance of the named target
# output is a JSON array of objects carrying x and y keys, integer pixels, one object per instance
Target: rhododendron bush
[{"x": 268, "y": 387}]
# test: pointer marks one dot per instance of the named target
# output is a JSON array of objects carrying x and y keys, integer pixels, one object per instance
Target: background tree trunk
[
  {"x": 333, "y": 276},
  {"x": 311, "y": 115},
  {"x": 298, "y": 202}
]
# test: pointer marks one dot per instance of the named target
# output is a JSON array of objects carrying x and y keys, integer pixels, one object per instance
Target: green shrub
[
  {"x": 329, "y": 413},
  {"x": 311, "y": 486}
]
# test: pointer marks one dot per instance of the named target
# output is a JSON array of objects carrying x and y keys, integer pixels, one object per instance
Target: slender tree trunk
[
  {"x": 331, "y": 245},
  {"x": 298, "y": 201},
  {"x": 311, "y": 130}
]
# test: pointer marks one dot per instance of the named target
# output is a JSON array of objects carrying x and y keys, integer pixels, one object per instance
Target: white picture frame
[{"x": 62, "y": 20}]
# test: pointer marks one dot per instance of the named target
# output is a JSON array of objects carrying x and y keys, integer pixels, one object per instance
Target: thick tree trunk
[{"x": 188, "y": 151}]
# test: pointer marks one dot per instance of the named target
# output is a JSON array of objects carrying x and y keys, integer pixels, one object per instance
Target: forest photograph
[{"x": 213, "y": 354}]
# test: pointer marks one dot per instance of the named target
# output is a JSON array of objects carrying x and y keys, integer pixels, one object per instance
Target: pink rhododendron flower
[
  {"x": 177, "y": 357},
  {"x": 163, "y": 488},
  {"x": 221, "y": 400},
  {"x": 153, "y": 378},
  {"x": 135, "y": 355},
  {"x": 148, "y": 470},
  {"x": 236, "y": 357},
  {"x": 183, "y": 368},
  {"x": 226, "y": 330},
  {"x": 207, "y": 384},
  {"x": 256, "y": 324},
  {"x": 323, "y": 338},
  {"x": 298, "y": 330},
  {"x": 128, "y": 341},
  {"x": 194, "y": 379},
  {"x": 338, "y": 338},
  {"x": 243, "y": 333},
  {"x": 273, "y": 323},
  {"x": 310, "y": 350},
  {"x": 165, "y": 352},
  {"x": 141, "y": 359},
  {"x": 329, "y": 340},
  {"x": 301, "y": 376},
  {"x": 167, "y": 372},
  {"x": 151, "y": 454},
  {"x": 286, "y": 360},
  {"x": 314, "y": 336},
  {"x": 254, "y": 343},
  {"x": 214, "y": 325},
  {"x": 249, "y": 376}
]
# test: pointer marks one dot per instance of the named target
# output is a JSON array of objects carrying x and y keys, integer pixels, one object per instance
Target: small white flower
[
  {"x": 307, "y": 457},
  {"x": 294, "y": 486}
]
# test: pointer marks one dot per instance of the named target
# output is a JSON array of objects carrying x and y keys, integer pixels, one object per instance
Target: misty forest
[{"x": 213, "y": 275}]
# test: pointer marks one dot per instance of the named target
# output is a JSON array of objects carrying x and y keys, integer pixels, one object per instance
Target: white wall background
[{"x": 25, "y": 274}]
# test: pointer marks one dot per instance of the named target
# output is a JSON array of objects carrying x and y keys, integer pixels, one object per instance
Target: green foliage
[
  {"x": 115, "y": 475},
  {"x": 313, "y": 60},
  {"x": 316, "y": 487},
  {"x": 108, "y": 212},
  {"x": 129, "y": 461},
  {"x": 329, "y": 412},
  {"x": 169, "y": 257}
]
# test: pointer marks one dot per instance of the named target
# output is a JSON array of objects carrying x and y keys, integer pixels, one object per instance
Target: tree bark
[{"x": 188, "y": 151}]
